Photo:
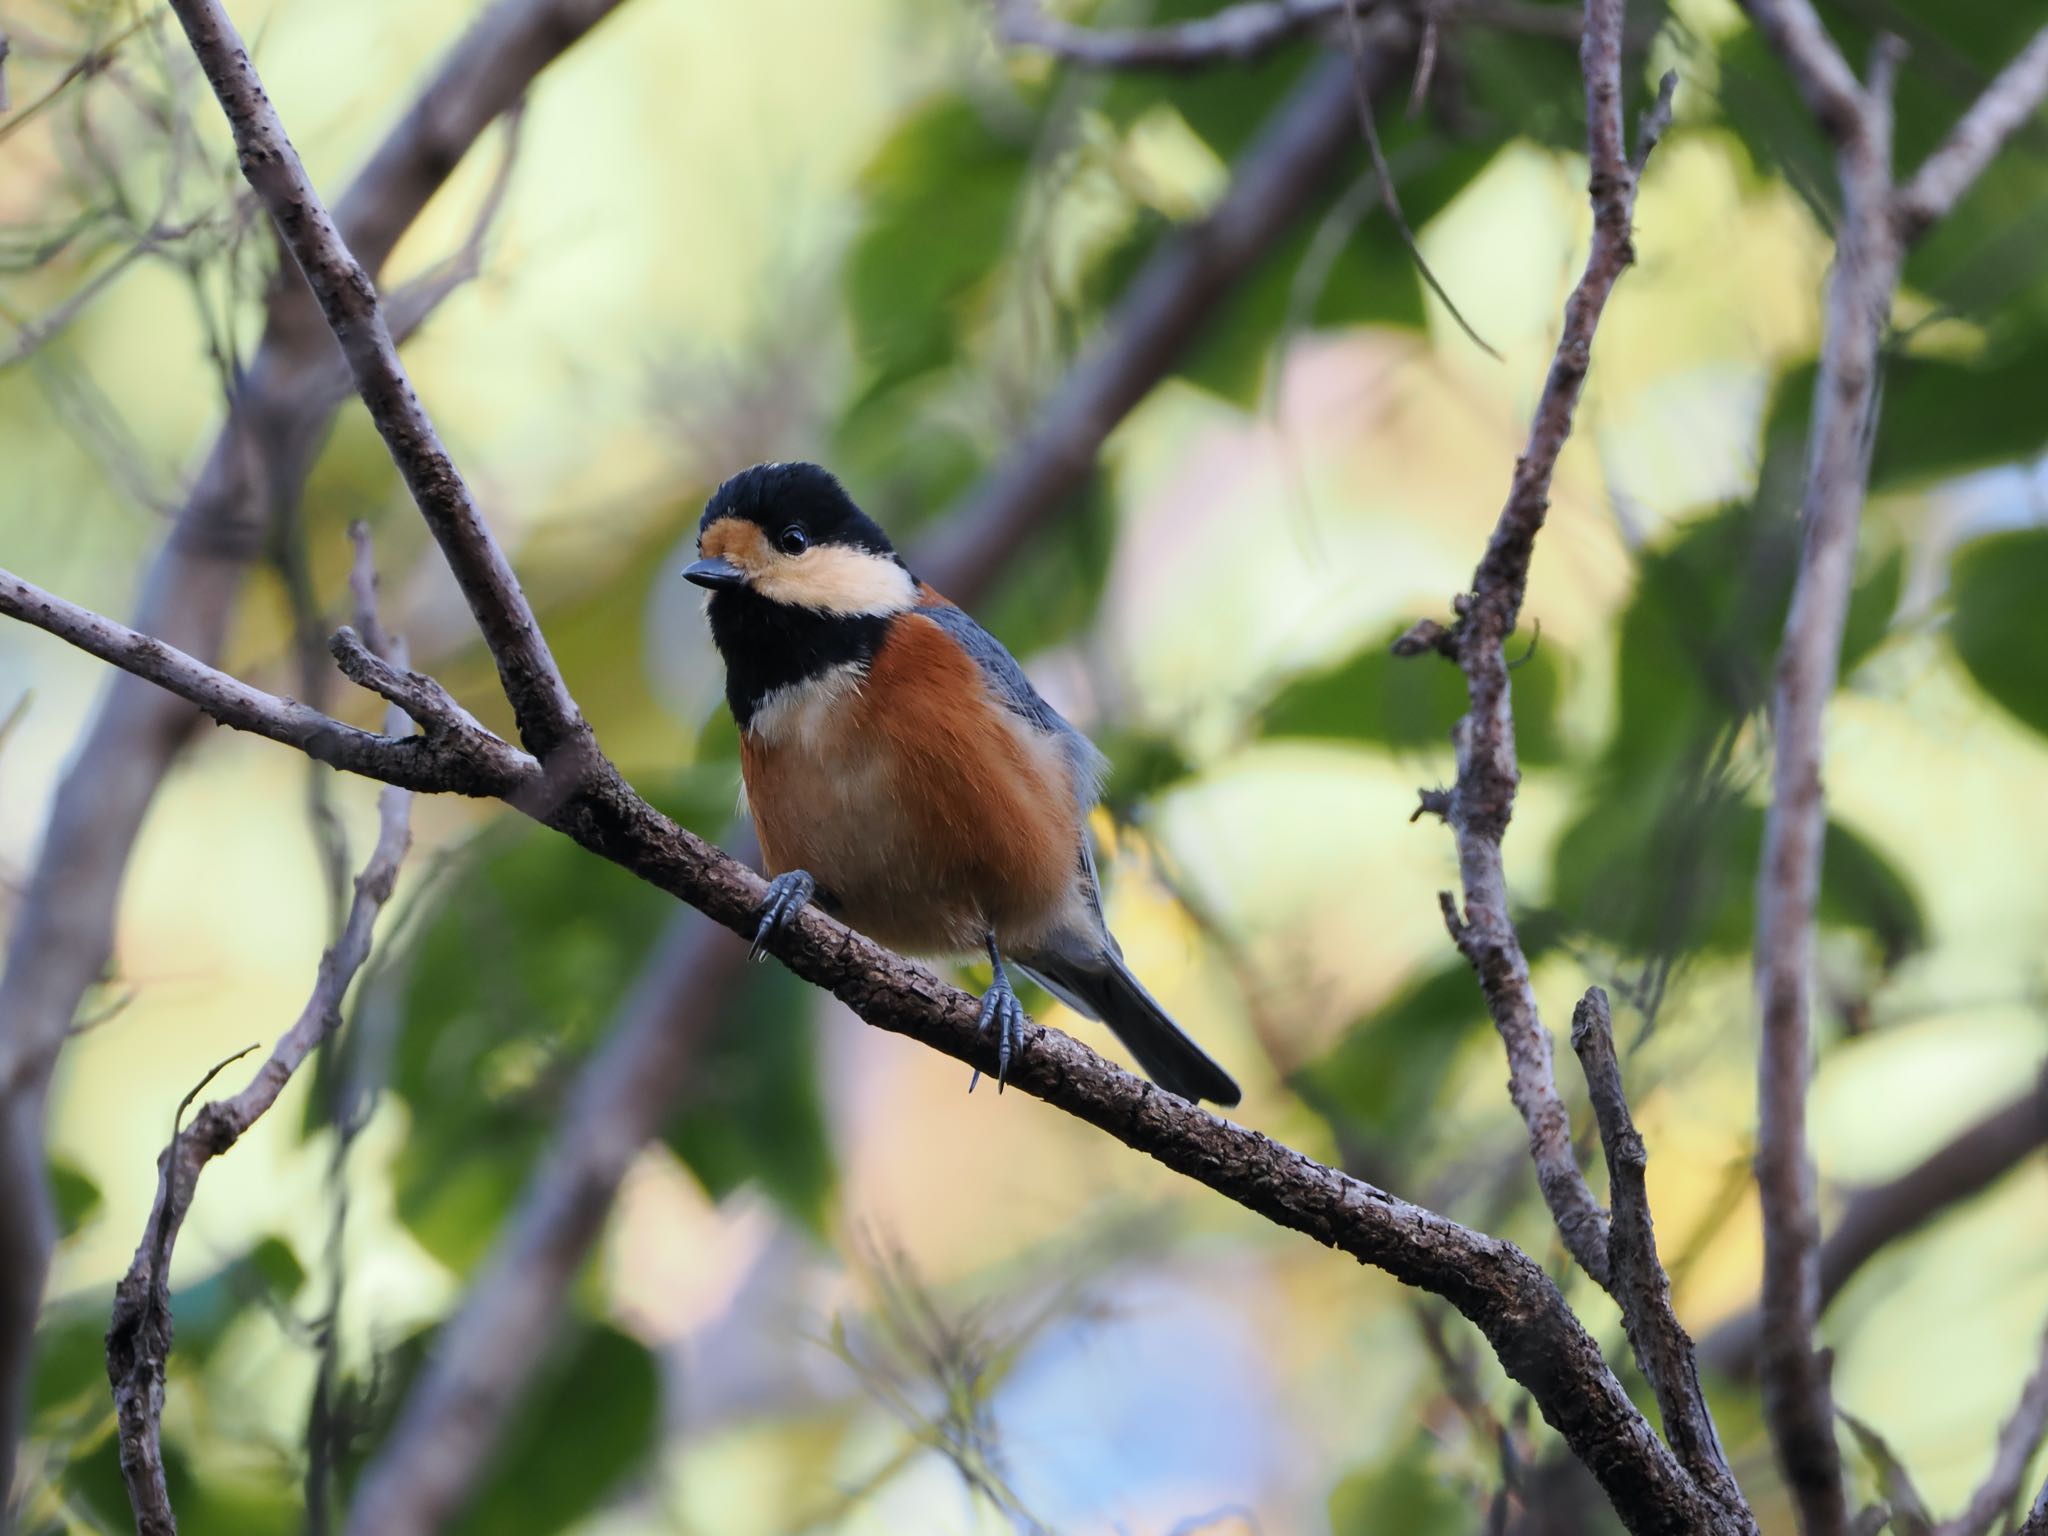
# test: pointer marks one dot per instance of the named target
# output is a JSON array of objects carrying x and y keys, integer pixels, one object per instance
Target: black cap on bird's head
[{"x": 789, "y": 534}]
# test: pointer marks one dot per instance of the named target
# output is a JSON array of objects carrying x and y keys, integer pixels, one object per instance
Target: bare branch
[
  {"x": 63, "y": 934},
  {"x": 476, "y": 764},
  {"x": 1481, "y": 803},
  {"x": 1661, "y": 1345},
  {"x": 547, "y": 715},
  {"x": 2018, "y": 1439},
  {"x": 1798, "y": 1402},
  {"x": 1878, "y": 1216},
  {"x": 1946, "y": 174},
  {"x": 139, "y": 1337}
]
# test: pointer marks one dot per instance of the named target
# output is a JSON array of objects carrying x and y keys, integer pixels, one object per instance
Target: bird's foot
[
  {"x": 788, "y": 895},
  {"x": 1001, "y": 1012}
]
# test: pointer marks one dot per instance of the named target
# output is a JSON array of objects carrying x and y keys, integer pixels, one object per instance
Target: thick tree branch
[
  {"x": 64, "y": 930},
  {"x": 1661, "y": 1345},
  {"x": 1481, "y": 803},
  {"x": 1880, "y": 1215},
  {"x": 2018, "y": 1439},
  {"x": 547, "y": 715},
  {"x": 139, "y": 1337}
]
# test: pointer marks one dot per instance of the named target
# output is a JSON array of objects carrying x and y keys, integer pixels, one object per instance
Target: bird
[{"x": 903, "y": 774}]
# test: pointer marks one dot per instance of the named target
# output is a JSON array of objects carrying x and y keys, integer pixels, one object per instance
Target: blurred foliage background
[{"x": 842, "y": 1295}]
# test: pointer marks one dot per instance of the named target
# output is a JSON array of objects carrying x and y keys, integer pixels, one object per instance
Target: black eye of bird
[{"x": 792, "y": 540}]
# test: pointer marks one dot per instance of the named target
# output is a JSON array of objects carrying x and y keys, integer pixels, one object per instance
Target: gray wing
[{"x": 1007, "y": 680}]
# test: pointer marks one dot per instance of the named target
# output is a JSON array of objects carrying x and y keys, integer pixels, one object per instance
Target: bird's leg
[
  {"x": 788, "y": 894},
  {"x": 1001, "y": 1011}
]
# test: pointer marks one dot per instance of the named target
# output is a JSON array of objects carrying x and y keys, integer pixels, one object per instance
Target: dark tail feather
[{"x": 1105, "y": 989}]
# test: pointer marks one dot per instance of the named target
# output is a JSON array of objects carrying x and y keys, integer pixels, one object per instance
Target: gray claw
[
  {"x": 1001, "y": 1011},
  {"x": 788, "y": 895}
]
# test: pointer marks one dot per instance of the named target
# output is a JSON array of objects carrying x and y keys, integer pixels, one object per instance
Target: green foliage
[
  {"x": 1382, "y": 1079},
  {"x": 940, "y": 196},
  {"x": 1411, "y": 703},
  {"x": 754, "y": 1111},
  {"x": 1224, "y": 106},
  {"x": 1997, "y": 627},
  {"x": 267, "y": 1277},
  {"x": 76, "y": 1196},
  {"x": 590, "y": 1419},
  {"x": 216, "y": 1504},
  {"x": 1404, "y": 1493},
  {"x": 1657, "y": 874},
  {"x": 71, "y": 1356},
  {"x": 521, "y": 971}
]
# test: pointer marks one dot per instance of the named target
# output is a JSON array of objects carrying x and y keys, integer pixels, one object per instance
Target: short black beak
[{"x": 719, "y": 574}]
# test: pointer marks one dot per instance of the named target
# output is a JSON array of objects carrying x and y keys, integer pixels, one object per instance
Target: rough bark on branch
[{"x": 1659, "y": 1341}]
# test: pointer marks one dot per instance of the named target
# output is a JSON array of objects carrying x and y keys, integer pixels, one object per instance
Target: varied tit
[{"x": 903, "y": 773}]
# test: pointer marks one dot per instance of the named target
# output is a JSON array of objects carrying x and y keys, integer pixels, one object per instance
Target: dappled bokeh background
[{"x": 843, "y": 1295}]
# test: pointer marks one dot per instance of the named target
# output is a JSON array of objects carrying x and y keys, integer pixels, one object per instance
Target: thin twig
[
  {"x": 1946, "y": 174},
  {"x": 2018, "y": 1439},
  {"x": 140, "y": 1334},
  {"x": 1355, "y": 40},
  {"x": 1481, "y": 802},
  {"x": 1661, "y": 1345},
  {"x": 476, "y": 764}
]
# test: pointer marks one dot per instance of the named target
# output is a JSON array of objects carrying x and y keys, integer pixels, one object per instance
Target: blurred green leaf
[
  {"x": 515, "y": 978},
  {"x": 71, "y": 1354},
  {"x": 1051, "y": 589},
  {"x": 1370, "y": 279},
  {"x": 1403, "y": 1494},
  {"x": 1382, "y": 1079},
  {"x": 1996, "y": 627},
  {"x": 1411, "y": 703},
  {"x": 77, "y": 1198},
  {"x": 216, "y": 1505},
  {"x": 1224, "y": 105},
  {"x": 940, "y": 198},
  {"x": 754, "y": 1112},
  {"x": 591, "y": 1418},
  {"x": 1142, "y": 766},
  {"x": 269, "y": 1274},
  {"x": 1659, "y": 873},
  {"x": 1700, "y": 635},
  {"x": 1943, "y": 418}
]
